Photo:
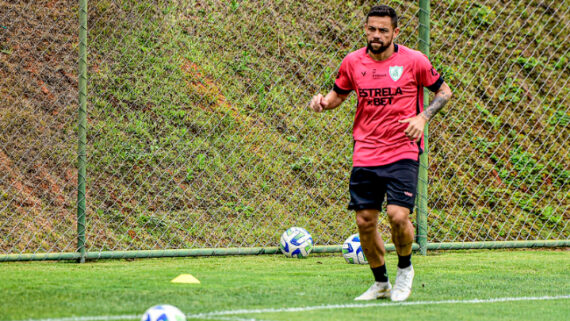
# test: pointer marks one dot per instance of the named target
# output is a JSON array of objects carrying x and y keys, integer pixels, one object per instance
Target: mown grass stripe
[{"x": 314, "y": 308}]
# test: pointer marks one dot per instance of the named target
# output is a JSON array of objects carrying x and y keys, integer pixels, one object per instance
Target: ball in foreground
[
  {"x": 163, "y": 312},
  {"x": 352, "y": 250},
  {"x": 296, "y": 242}
]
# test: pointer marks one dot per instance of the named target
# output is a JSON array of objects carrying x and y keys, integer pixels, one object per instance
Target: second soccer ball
[{"x": 352, "y": 250}]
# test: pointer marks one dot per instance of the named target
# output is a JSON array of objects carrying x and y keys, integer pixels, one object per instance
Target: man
[{"x": 388, "y": 129}]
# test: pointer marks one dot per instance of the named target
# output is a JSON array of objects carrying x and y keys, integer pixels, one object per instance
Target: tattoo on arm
[{"x": 436, "y": 105}]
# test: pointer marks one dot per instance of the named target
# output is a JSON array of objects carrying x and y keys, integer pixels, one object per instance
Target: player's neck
[{"x": 383, "y": 55}]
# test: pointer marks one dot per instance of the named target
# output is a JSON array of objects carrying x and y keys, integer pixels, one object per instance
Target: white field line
[
  {"x": 210, "y": 315},
  {"x": 220, "y": 318},
  {"x": 369, "y": 305}
]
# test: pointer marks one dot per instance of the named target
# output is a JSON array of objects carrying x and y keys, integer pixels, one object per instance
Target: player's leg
[
  {"x": 402, "y": 229},
  {"x": 403, "y": 237},
  {"x": 373, "y": 248},
  {"x": 366, "y": 194},
  {"x": 370, "y": 240},
  {"x": 400, "y": 192}
]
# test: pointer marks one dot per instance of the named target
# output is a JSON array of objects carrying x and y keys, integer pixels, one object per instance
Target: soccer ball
[
  {"x": 296, "y": 242},
  {"x": 352, "y": 251},
  {"x": 163, "y": 312}
]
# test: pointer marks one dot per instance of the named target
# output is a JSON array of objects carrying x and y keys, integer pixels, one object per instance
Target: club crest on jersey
[{"x": 396, "y": 72}]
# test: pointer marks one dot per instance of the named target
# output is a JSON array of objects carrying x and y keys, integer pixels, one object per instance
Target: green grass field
[{"x": 511, "y": 285}]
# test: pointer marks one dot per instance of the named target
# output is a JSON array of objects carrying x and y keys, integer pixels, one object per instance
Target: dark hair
[{"x": 384, "y": 11}]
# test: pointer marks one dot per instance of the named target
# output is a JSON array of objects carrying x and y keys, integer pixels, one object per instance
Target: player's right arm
[{"x": 332, "y": 100}]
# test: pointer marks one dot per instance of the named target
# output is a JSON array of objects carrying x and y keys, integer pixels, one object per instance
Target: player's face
[{"x": 380, "y": 34}]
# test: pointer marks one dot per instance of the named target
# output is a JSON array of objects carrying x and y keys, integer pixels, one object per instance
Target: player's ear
[{"x": 396, "y": 32}]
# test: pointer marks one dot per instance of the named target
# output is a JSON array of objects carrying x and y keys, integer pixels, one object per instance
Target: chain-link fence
[
  {"x": 500, "y": 165},
  {"x": 38, "y": 105},
  {"x": 199, "y": 135}
]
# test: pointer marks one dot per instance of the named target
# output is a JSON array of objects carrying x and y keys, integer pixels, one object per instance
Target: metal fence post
[
  {"x": 82, "y": 129},
  {"x": 421, "y": 234}
]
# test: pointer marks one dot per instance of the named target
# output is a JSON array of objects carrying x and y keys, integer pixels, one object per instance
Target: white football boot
[
  {"x": 378, "y": 290},
  {"x": 403, "y": 285}
]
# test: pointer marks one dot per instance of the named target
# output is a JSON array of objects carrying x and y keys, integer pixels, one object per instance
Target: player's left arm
[
  {"x": 416, "y": 124},
  {"x": 442, "y": 96}
]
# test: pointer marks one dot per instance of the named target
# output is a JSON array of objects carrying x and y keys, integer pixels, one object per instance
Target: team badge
[{"x": 396, "y": 72}]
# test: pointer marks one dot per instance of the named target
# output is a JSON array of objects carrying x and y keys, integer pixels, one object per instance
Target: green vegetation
[
  {"x": 42, "y": 290},
  {"x": 497, "y": 158},
  {"x": 199, "y": 133},
  {"x": 213, "y": 123}
]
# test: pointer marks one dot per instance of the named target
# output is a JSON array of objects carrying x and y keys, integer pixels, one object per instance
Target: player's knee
[
  {"x": 398, "y": 219},
  {"x": 366, "y": 223}
]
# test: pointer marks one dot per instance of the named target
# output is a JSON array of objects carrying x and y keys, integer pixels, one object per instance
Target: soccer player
[{"x": 388, "y": 130}]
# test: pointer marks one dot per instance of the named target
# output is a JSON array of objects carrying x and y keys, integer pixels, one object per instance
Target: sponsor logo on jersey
[
  {"x": 379, "y": 96},
  {"x": 433, "y": 72},
  {"x": 376, "y": 75}
]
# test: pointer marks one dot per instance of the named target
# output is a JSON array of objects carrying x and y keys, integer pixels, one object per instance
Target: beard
[{"x": 380, "y": 50}]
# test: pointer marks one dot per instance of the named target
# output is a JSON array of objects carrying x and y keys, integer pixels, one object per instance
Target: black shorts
[{"x": 397, "y": 181}]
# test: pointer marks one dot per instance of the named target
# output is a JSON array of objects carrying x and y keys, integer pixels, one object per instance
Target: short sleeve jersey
[{"x": 388, "y": 91}]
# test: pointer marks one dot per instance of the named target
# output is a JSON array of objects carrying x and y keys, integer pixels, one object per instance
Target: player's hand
[
  {"x": 318, "y": 103},
  {"x": 415, "y": 128}
]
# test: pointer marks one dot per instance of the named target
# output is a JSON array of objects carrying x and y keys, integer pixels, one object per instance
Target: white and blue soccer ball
[
  {"x": 296, "y": 242},
  {"x": 163, "y": 312},
  {"x": 352, "y": 250}
]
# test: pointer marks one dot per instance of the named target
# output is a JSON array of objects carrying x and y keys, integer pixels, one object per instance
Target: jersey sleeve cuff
[
  {"x": 436, "y": 85},
  {"x": 341, "y": 91}
]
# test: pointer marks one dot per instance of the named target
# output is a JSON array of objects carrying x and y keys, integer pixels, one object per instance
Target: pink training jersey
[{"x": 388, "y": 91}]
